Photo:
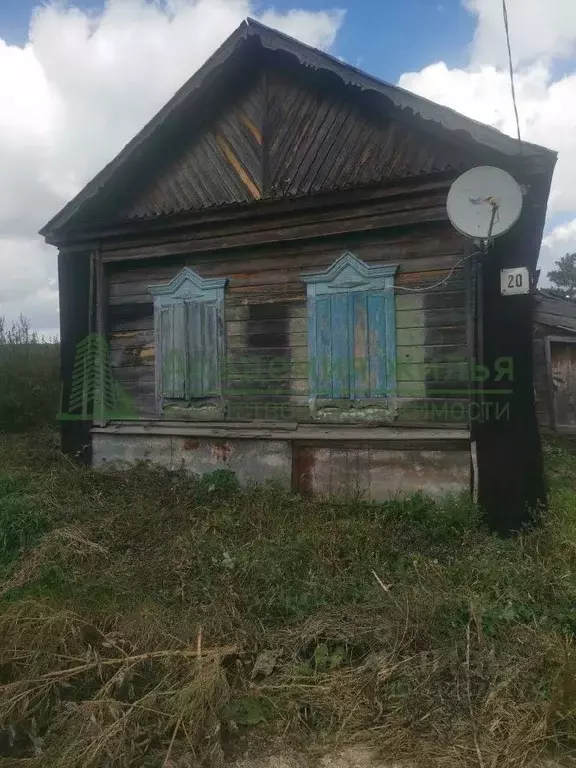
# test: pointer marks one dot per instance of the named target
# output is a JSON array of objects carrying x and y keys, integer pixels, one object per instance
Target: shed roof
[
  {"x": 554, "y": 311},
  {"x": 226, "y": 59}
]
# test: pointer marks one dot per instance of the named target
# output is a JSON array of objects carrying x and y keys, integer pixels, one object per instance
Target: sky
[{"x": 78, "y": 79}]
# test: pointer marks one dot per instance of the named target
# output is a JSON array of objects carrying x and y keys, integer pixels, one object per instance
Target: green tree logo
[{"x": 95, "y": 394}]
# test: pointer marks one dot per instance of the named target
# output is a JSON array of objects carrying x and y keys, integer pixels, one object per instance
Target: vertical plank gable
[{"x": 288, "y": 136}]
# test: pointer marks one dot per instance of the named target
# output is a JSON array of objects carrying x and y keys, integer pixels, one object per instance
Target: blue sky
[
  {"x": 385, "y": 37},
  {"x": 79, "y": 79}
]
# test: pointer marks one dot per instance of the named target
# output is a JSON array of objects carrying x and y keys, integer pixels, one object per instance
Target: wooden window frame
[
  {"x": 189, "y": 288},
  {"x": 348, "y": 276}
]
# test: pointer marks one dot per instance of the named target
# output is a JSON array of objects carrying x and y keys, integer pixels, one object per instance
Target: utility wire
[
  {"x": 512, "y": 85},
  {"x": 494, "y": 206},
  {"x": 460, "y": 261},
  {"x": 440, "y": 282}
]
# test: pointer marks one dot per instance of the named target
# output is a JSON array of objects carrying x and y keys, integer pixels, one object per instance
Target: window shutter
[
  {"x": 189, "y": 339},
  {"x": 360, "y": 346},
  {"x": 341, "y": 340},
  {"x": 353, "y": 345},
  {"x": 340, "y": 359},
  {"x": 352, "y": 330},
  {"x": 321, "y": 347},
  {"x": 173, "y": 353},
  {"x": 204, "y": 338},
  {"x": 381, "y": 343}
]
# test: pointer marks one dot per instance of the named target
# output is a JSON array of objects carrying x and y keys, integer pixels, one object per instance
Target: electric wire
[
  {"x": 494, "y": 207},
  {"x": 511, "y": 67},
  {"x": 440, "y": 282},
  {"x": 460, "y": 261}
]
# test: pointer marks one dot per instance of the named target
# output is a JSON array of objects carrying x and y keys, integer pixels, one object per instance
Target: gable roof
[
  {"x": 238, "y": 50},
  {"x": 279, "y": 137}
]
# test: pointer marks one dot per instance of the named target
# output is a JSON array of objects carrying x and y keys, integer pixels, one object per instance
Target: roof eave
[{"x": 419, "y": 105}]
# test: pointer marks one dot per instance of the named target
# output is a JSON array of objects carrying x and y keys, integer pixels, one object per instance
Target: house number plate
[{"x": 514, "y": 282}]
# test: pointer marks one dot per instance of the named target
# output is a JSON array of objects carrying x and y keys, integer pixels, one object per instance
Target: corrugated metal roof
[
  {"x": 238, "y": 52},
  {"x": 286, "y": 139},
  {"x": 555, "y": 311}
]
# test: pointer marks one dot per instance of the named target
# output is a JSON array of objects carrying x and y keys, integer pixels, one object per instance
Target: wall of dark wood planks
[{"x": 266, "y": 322}]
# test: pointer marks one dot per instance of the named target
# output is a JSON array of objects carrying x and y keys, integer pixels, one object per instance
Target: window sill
[
  {"x": 373, "y": 411},
  {"x": 290, "y": 432},
  {"x": 202, "y": 410}
]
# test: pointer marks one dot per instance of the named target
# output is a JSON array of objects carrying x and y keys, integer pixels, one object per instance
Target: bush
[{"x": 29, "y": 378}]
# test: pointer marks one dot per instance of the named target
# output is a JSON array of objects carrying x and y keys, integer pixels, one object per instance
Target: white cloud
[
  {"x": 538, "y": 29},
  {"x": 547, "y": 111},
  {"x": 560, "y": 241},
  {"x": 541, "y": 31},
  {"x": 77, "y": 91},
  {"x": 31, "y": 288},
  {"x": 85, "y": 83}
]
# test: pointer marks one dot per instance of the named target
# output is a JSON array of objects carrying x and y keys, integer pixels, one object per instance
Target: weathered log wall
[{"x": 266, "y": 322}]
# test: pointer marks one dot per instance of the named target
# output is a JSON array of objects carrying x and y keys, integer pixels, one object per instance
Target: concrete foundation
[
  {"x": 380, "y": 473},
  {"x": 372, "y": 471}
]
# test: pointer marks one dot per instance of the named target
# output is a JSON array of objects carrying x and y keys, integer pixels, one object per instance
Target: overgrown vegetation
[
  {"x": 29, "y": 378},
  {"x": 151, "y": 620}
]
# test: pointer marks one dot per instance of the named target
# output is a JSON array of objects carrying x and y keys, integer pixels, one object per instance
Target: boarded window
[
  {"x": 352, "y": 331},
  {"x": 189, "y": 337}
]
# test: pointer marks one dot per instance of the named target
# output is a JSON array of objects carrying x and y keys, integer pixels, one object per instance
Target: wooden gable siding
[
  {"x": 283, "y": 138},
  {"x": 318, "y": 142},
  {"x": 222, "y": 165},
  {"x": 266, "y": 324}
]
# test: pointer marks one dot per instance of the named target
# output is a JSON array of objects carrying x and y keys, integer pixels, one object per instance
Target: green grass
[{"x": 403, "y": 623}]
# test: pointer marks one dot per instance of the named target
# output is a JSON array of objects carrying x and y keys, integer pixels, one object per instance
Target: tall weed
[{"x": 29, "y": 378}]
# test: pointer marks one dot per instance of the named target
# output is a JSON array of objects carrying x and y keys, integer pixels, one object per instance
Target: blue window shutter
[
  {"x": 189, "y": 336},
  {"x": 204, "y": 349},
  {"x": 381, "y": 344},
  {"x": 173, "y": 356},
  {"x": 360, "y": 351},
  {"x": 321, "y": 347},
  {"x": 341, "y": 343},
  {"x": 352, "y": 331}
]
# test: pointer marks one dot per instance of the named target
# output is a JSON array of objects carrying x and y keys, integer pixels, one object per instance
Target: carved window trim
[
  {"x": 190, "y": 348},
  {"x": 352, "y": 341}
]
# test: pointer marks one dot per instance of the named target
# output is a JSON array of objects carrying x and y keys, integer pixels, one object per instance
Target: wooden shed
[
  {"x": 555, "y": 362},
  {"x": 265, "y": 280}
]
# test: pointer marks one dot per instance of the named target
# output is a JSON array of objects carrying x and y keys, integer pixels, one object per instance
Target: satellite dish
[{"x": 484, "y": 202}]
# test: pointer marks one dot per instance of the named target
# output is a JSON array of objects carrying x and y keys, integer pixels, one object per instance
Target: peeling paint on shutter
[
  {"x": 321, "y": 348},
  {"x": 360, "y": 354},
  {"x": 189, "y": 314},
  {"x": 352, "y": 331},
  {"x": 204, "y": 349},
  {"x": 173, "y": 355}
]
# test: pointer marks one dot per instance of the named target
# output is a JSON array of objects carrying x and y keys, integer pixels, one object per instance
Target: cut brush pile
[{"x": 149, "y": 619}]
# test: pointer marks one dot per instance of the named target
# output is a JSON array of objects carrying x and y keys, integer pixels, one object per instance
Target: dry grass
[{"x": 150, "y": 620}]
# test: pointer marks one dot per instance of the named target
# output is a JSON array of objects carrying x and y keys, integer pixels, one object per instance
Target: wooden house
[
  {"x": 555, "y": 362},
  {"x": 265, "y": 279}
]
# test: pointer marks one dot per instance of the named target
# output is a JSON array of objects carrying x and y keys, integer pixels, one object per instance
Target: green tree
[{"x": 563, "y": 278}]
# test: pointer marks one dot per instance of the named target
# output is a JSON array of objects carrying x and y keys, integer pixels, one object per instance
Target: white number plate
[{"x": 514, "y": 282}]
